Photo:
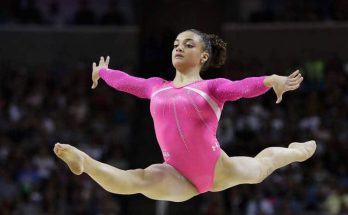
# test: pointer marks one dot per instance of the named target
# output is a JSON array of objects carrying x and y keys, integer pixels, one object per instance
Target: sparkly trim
[
  {"x": 210, "y": 101},
  {"x": 160, "y": 90}
]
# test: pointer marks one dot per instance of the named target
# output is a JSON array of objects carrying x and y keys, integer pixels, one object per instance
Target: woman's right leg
[{"x": 159, "y": 181}]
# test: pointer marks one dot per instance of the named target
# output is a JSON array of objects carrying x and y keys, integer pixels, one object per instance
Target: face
[{"x": 188, "y": 51}]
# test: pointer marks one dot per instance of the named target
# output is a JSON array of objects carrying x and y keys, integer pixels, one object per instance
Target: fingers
[
  {"x": 104, "y": 62},
  {"x": 294, "y": 74},
  {"x": 101, "y": 61},
  {"x": 292, "y": 83},
  {"x": 279, "y": 97},
  {"x": 289, "y": 88},
  {"x": 94, "y": 85},
  {"x": 94, "y": 68},
  {"x": 295, "y": 81},
  {"x": 295, "y": 78},
  {"x": 107, "y": 60}
]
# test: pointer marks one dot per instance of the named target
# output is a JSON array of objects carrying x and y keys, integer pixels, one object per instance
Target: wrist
[
  {"x": 268, "y": 81},
  {"x": 101, "y": 69}
]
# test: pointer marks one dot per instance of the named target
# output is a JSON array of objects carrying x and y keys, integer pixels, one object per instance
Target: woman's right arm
[{"x": 121, "y": 81}]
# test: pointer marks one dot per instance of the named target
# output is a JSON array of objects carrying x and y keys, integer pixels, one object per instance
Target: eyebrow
[{"x": 185, "y": 40}]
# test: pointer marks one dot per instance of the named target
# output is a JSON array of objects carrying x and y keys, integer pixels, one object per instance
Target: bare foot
[
  {"x": 306, "y": 149},
  {"x": 71, "y": 156}
]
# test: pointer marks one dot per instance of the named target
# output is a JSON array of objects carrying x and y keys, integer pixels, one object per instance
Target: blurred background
[{"x": 46, "y": 51}]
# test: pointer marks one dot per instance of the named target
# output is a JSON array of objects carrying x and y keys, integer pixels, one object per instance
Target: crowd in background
[
  {"x": 40, "y": 106},
  {"x": 122, "y": 12},
  {"x": 288, "y": 10},
  {"x": 63, "y": 12}
]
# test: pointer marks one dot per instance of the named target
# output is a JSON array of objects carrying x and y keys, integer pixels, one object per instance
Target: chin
[{"x": 177, "y": 65}]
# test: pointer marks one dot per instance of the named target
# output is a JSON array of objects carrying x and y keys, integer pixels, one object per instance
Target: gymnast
[{"x": 186, "y": 113}]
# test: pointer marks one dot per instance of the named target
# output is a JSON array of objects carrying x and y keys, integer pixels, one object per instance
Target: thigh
[
  {"x": 164, "y": 182},
  {"x": 232, "y": 171}
]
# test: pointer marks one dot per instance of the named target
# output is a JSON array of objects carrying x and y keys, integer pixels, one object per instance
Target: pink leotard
[{"x": 186, "y": 118}]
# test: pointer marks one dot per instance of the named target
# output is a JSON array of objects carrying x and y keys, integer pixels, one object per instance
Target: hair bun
[{"x": 218, "y": 50}]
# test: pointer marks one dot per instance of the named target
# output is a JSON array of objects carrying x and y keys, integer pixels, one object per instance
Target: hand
[
  {"x": 95, "y": 71},
  {"x": 282, "y": 84}
]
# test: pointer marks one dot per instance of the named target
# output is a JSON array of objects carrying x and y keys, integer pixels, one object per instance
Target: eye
[
  {"x": 189, "y": 45},
  {"x": 175, "y": 45}
]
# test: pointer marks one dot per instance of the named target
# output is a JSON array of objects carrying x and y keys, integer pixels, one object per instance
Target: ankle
[{"x": 87, "y": 163}]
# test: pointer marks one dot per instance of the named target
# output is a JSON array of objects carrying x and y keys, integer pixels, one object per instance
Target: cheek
[{"x": 194, "y": 55}]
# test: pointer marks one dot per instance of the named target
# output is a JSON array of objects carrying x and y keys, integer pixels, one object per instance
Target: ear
[{"x": 204, "y": 57}]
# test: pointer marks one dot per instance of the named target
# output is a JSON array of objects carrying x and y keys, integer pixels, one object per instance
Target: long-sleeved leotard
[{"x": 186, "y": 118}]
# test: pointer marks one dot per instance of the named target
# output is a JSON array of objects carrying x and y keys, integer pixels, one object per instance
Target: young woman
[{"x": 186, "y": 112}]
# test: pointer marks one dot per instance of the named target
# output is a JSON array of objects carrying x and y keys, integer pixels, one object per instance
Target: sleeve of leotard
[
  {"x": 226, "y": 90},
  {"x": 121, "y": 81}
]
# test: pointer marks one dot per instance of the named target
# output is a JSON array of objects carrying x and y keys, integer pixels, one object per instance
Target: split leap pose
[{"x": 185, "y": 113}]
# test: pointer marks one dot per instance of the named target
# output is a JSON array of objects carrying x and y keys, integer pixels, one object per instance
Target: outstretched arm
[
  {"x": 226, "y": 90},
  {"x": 121, "y": 81}
]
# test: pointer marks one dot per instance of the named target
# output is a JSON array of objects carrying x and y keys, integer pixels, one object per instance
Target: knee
[
  {"x": 260, "y": 178},
  {"x": 266, "y": 153},
  {"x": 265, "y": 169},
  {"x": 161, "y": 184},
  {"x": 144, "y": 180}
]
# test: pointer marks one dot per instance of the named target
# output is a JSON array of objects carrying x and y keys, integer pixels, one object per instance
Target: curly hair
[{"x": 215, "y": 47}]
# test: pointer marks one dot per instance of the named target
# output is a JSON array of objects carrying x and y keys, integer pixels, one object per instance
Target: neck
[{"x": 186, "y": 77}]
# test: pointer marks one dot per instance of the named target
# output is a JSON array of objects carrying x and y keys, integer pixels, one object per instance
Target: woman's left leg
[{"x": 231, "y": 171}]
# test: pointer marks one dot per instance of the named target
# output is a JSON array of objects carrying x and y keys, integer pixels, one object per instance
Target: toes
[
  {"x": 59, "y": 148},
  {"x": 55, "y": 149},
  {"x": 58, "y": 152},
  {"x": 306, "y": 149}
]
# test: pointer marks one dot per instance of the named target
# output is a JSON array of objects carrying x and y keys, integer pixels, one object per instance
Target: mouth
[{"x": 178, "y": 56}]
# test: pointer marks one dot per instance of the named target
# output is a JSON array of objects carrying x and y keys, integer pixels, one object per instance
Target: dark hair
[{"x": 215, "y": 47}]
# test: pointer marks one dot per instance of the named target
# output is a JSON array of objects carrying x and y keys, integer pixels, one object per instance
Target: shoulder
[
  {"x": 157, "y": 81},
  {"x": 219, "y": 80},
  {"x": 213, "y": 83}
]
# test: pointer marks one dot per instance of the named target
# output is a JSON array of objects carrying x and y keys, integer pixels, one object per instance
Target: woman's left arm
[
  {"x": 223, "y": 89},
  {"x": 226, "y": 90}
]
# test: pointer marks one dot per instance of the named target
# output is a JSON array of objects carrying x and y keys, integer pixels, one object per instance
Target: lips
[{"x": 178, "y": 56}]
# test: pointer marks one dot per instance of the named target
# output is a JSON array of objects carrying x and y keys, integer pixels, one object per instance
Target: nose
[{"x": 178, "y": 48}]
